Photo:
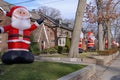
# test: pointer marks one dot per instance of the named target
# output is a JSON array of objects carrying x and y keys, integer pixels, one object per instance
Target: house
[
  {"x": 4, "y": 20},
  {"x": 51, "y": 33}
]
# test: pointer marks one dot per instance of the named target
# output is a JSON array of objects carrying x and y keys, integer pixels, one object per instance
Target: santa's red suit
[
  {"x": 90, "y": 38},
  {"x": 18, "y": 39},
  {"x": 80, "y": 43},
  {"x": 106, "y": 43},
  {"x": 90, "y": 42}
]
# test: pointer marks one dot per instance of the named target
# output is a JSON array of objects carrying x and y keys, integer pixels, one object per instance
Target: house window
[
  {"x": 60, "y": 41},
  {"x": 66, "y": 33}
]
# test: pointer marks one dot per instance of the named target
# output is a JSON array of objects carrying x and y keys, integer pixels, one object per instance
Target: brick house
[{"x": 51, "y": 33}]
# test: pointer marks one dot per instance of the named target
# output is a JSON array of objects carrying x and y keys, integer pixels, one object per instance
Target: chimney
[{"x": 33, "y": 10}]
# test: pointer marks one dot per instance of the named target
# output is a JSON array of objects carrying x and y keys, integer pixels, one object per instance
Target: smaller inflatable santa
[
  {"x": 115, "y": 43},
  {"x": 19, "y": 36},
  {"x": 80, "y": 42},
  {"x": 90, "y": 39}
]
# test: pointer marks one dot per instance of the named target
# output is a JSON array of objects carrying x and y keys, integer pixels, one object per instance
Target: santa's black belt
[{"x": 18, "y": 35}]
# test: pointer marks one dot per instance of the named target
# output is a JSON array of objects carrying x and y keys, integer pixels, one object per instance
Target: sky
[{"x": 66, "y": 7}]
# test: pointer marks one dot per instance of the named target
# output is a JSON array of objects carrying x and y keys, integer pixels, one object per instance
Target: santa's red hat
[{"x": 12, "y": 10}]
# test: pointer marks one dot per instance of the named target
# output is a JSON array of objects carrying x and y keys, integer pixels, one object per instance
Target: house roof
[
  {"x": 5, "y": 5},
  {"x": 57, "y": 23}
]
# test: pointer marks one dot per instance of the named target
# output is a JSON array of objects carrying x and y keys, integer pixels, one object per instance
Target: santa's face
[{"x": 21, "y": 19}]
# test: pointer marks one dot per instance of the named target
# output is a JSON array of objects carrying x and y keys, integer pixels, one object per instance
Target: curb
[{"x": 82, "y": 74}]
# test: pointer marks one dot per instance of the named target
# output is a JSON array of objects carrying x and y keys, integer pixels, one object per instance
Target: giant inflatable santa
[{"x": 19, "y": 36}]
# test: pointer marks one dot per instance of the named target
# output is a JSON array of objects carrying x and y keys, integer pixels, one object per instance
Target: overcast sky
[{"x": 66, "y": 7}]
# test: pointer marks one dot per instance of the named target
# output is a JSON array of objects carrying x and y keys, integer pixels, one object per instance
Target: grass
[
  {"x": 87, "y": 54},
  {"x": 65, "y": 55},
  {"x": 54, "y": 55},
  {"x": 37, "y": 71}
]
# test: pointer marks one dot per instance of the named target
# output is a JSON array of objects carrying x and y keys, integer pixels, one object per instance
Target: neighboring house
[
  {"x": 51, "y": 33},
  {"x": 4, "y": 20}
]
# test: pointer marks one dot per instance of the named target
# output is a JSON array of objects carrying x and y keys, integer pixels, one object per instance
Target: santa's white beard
[{"x": 20, "y": 23}]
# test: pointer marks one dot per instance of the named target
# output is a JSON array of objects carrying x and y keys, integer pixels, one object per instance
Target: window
[{"x": 60, "y": 41}]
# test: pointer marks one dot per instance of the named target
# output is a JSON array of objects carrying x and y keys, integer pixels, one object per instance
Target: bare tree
[
  {"x": 115, "y": 27},
  {"x": 100, "y": 26},
  {"x": 51, "y": 12},
  {"x": 77, "y": 28},
  {"x": 109, "y": 15},
  {"x": 92, "y": 17},
  {"x": 105, "y": 14}
]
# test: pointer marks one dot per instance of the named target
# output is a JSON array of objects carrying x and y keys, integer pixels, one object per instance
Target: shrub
[
  {"x": 34, "y": 48},
  {"x": 67, "y": 45},
  {"x": 107, "y": 52},
  {"x": 50, "y": 50},
  {"x": 62, "y": 49}
]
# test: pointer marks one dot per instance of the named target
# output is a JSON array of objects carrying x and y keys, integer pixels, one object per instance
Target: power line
[
  {"x": 52, "y": 2},
  {"x": 19, "y": 2},
  {"x": 24, "y": 2},
  {"x": 33, "y": 0}
]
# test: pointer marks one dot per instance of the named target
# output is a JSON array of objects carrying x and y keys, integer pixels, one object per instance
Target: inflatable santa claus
[
  {"x": 80, "y": 42},
  {"x": 90, "y": 38},
  {"x": 19, "y": 36}
]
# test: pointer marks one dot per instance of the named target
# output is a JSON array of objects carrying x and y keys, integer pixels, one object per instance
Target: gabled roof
[
  {"x": 5, "y": 5},
  {"x": 56, "y": 22}
]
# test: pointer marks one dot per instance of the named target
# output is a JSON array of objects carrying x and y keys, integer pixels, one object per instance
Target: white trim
[
  {"x": 17, "y": 49},
  {"x": 28, "y": 42},
  {"x": 46, "y": 35},
  {"x": 39, "y": 34},
  {"x": 90, "y": 43},
  {"x": 2, "y": 29},
  {"x": 4, "y": 12},
  {"x": 80, "y": 42},
  {"x": 36, "y": 24}
]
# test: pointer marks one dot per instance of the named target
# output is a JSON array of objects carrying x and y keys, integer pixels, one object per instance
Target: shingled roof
[{"x": 57, "y": 22}]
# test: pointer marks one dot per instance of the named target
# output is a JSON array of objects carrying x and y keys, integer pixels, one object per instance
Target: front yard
[{"x": 37, "y": 71}]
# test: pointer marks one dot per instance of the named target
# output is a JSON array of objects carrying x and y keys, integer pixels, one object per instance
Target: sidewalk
[{"x": 111, "y": 71}]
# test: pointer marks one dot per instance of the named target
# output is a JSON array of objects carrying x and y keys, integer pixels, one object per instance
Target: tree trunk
[
  {"x": 109, "y": 34},
  {"x": 77, "y": 28},
  {"x": 100, "y": 27},
  {"x": 100, "y": 35}
]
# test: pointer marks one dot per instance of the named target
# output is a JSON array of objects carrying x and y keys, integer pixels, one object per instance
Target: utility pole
[{"x": 77, "y": 28}]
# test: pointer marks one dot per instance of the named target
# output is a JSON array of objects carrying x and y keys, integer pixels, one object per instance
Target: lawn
[
  {"x": 37, "y": 71},
  {"x": 65, "y": 55}
]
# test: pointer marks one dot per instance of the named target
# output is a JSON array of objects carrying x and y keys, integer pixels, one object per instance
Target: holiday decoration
[
  {"x": 91, "y": 39},
  {"x": 19, "y": 36},
  {"x": 81, "y": 42}
]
